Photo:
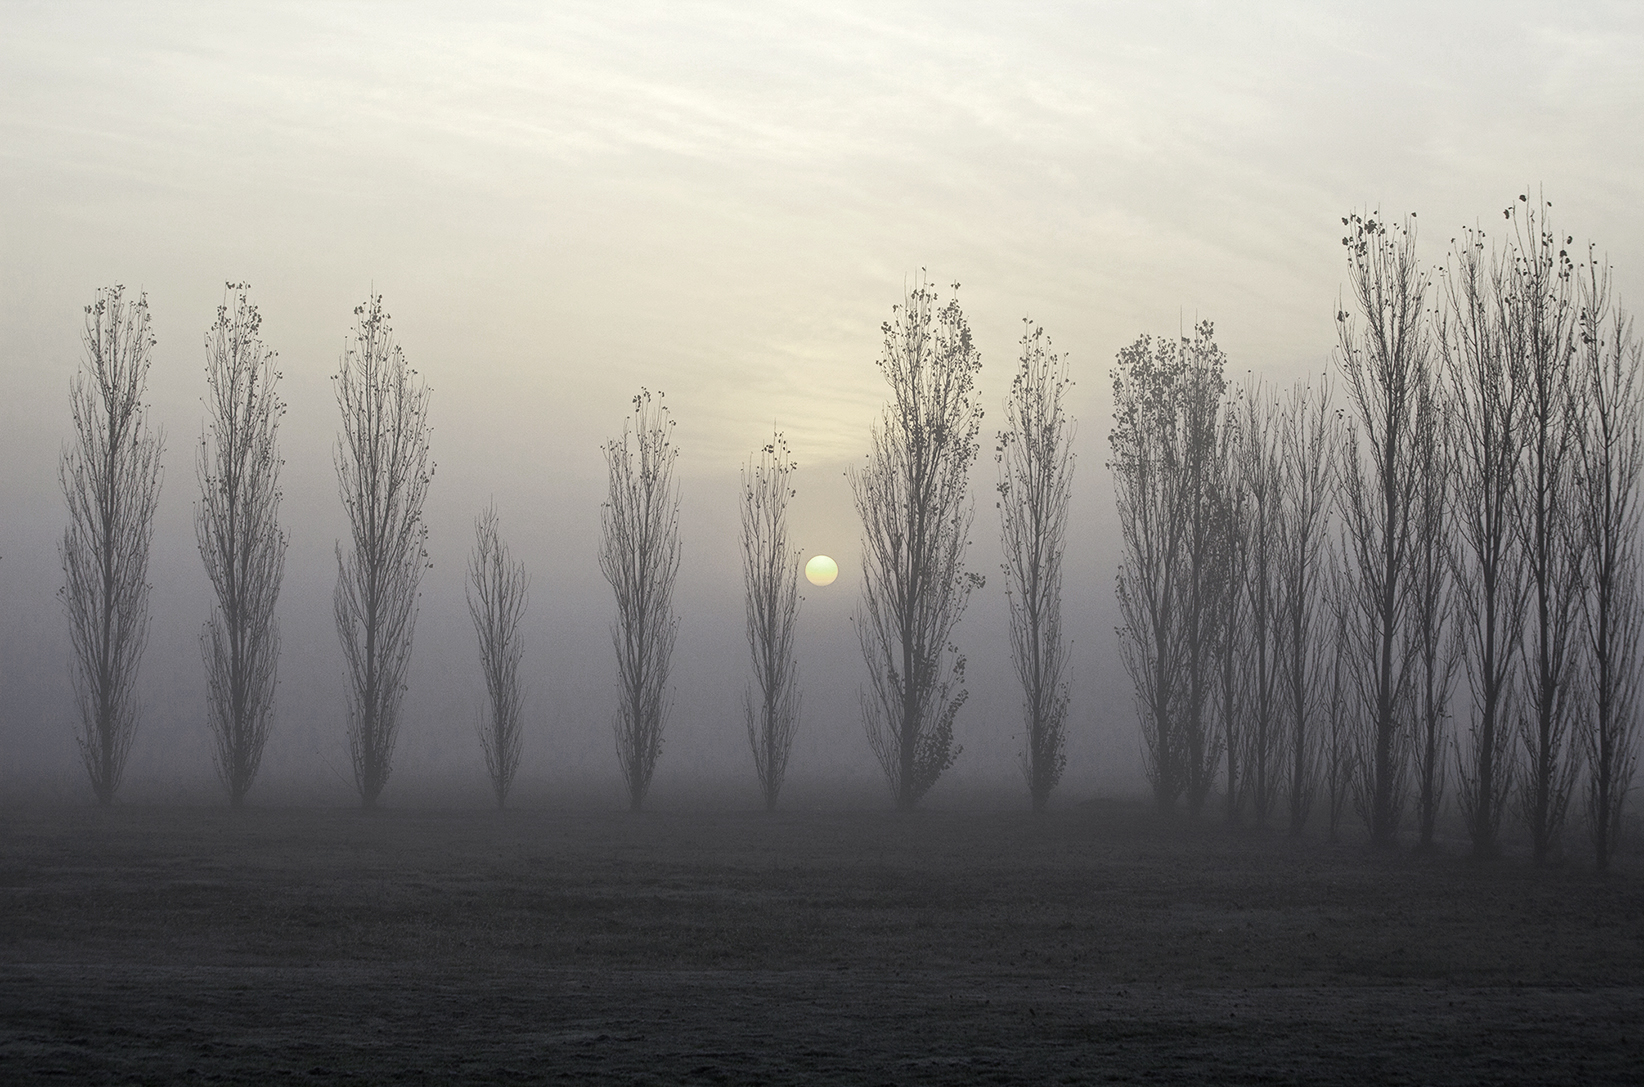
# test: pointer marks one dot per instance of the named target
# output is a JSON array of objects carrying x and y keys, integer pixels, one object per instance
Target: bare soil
[{"x": 1096, "y": 944}]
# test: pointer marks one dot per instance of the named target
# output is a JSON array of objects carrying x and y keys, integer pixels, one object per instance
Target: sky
[{"x": 562, "y": 204}]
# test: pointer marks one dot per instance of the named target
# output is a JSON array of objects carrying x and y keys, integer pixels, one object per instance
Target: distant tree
[
  {"x": 498, "y": 590},
  {"x": 236, "y": 525},
  {"x": 1201, "y": 492},
  {"x": 914, "y": 501},
  {"x": 1434, "y": 637},
  {"x": 1232, "y": 622},
  {"x": 1543, "y": 316},
  {"x": 1487, "y": 383},
  {"x": 1386, "y": 363},
  {"x": 1339, "y": 759},
  {"x": 770, "y": 578},
  {"x": 1608, "y": 502},
  {"x": 1261, "y": 473},
  {"x": 1309, "y": 443},
  {"x": 1035, "y": 459},
  {"x": 383, "y": 471},
  {"x": 639, "y": 556},
  {"x": 110, "y": 476}
]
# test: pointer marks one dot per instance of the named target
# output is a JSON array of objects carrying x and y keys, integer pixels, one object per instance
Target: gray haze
[{"x": 722, "y": 203}]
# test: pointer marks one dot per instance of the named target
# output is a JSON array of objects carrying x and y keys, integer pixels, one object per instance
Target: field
[{"x": 1096, "y": 944}]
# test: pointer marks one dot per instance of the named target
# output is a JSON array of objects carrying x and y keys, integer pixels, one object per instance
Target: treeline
[
  {"x": 912, "y": 493},
  {"x": 1410, "y": 586}
]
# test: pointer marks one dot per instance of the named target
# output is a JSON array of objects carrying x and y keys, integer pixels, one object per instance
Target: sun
[{"x": 821, "y": 570}]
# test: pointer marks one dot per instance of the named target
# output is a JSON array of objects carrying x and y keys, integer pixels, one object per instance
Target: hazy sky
[{"x": 722, "y": 202}]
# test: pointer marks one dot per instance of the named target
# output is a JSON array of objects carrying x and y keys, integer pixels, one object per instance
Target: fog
[{"x": 560, "y": 209}]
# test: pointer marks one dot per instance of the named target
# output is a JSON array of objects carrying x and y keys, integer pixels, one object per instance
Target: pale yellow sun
[{"x": 821, "y": 570}]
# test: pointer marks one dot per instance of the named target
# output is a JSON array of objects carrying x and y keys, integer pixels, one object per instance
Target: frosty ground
[{"x": 1096, "y": 943}]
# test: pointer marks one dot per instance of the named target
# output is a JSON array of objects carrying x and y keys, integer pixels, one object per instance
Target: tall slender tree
[
  {"x": 498, "y": 590},
  {"x": 236, "y": 525},
  {"x": 1201, "y": 492},
  {"x": 1543, "y": 315},
  {"x": 1170, "y": 471},
  {"x": 1434, "y": 637},
  {"x": 1262, "y": 474},
  {"x": 1339, "y": 759},
  {"x": 110, "y": 475},
  {"x": 639, "y": 556},
  {"x": 1035, "y": 459},
  {"x": 1145, "y": 455},
  {"x": 914, "y": 500},
  {"x": 770, "y": 579},
  {"x": 1384, "y": 353},
  {"x": 383, "y": 471},
  {"x": 1487, "y": 384},
  {"x": 1233, "y": 623},
  {"x": 1309, "y": 441},
  {"x": 1608, "y": 504}
]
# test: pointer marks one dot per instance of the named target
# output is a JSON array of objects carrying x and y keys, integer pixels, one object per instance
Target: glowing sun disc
[{"x": 821, "y": 570}]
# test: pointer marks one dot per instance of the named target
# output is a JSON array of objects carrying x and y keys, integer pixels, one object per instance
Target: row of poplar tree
[
  {"x": 912, "y": 493},
  {"x": 1308, "y": 576}
]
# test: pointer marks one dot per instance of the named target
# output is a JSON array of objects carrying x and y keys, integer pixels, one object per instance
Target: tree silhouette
[
  {"x": 1035, "y": 459},
  {"x": 1542, "y": 322},
  {"x": 1384, "y": 356},
  {"x": 1487, "y": 383},
  {"x": 1170, "y": 448},
  {"x": 110, "y": 475},
  {"x": 1611, "y": 472},
  {"x": 639, "y": 556},
  {"x": 770, "y": 577},
  {"x": 916, "y": 510},
  {"x": 236, "y": 525},
  {"x": 497, "y": 592},
  {"x": 383, "y": 471}
]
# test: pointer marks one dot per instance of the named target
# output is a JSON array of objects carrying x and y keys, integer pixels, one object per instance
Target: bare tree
[
  {"x": 498, "y": 589},
  {"x": 1435, "y": 638},
  {"x": 1309, "y": 441},
  {"x": 1385, "y": 362},
  {"x": 914, "y": 501},
  {"x": 1261, "y": 475},
  {"x": 1339, "y": 759},
  {"x": 1170, "y": 478},
  {"x": 1035, "y": 458},
  {"x": 110, "y": 476},
  {"x": 383, "y": 471},
  {"x": 1144, "y": 445},
  {"x": 770, "y": 577},
  {"x": 1543, "y": 313},
  {"x": 1487, "y": 384},
  {"x": 1232, "y": 624},
  {"x": 1201, "y": 495},
  {"x": 639, "y": 556},
  {"x": 1611, "y": 468},
  {"x": 236, "y": 525}
]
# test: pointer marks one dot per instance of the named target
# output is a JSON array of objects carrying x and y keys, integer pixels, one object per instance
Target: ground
[{"x": 1098, "y": 943}]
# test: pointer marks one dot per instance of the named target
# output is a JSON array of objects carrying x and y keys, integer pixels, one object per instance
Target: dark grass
[{"x": 1095, "y": 944}]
